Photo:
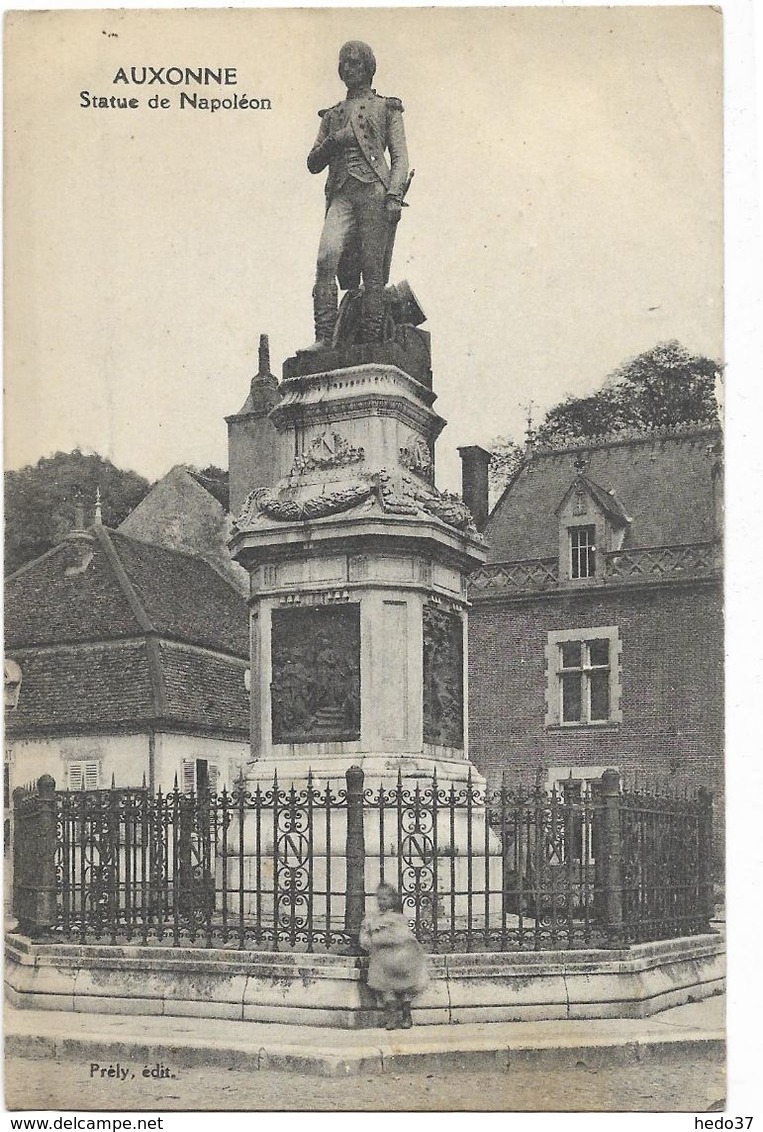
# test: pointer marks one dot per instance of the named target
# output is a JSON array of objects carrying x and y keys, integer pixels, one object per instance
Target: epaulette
[
  {"x": 394, "y": 103},
  {"x": 328, "y": 109}
]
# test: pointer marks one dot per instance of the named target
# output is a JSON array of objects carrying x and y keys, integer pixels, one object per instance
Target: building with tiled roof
[
  {"x": 596, "y": 628},
  {"x": 186, "y": 511},
  {"x": 131, "y": 661}
]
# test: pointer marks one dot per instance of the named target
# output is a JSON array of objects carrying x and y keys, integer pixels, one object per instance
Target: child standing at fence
[{"x": 397, "y": 967}]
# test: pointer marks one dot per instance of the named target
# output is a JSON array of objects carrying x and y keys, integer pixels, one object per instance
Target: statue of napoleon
[{"x": 364, "y": 195}]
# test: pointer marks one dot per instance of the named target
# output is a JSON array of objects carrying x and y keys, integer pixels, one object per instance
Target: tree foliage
[
  {"x": 505, "y": 459},
  {"x": 215, "y": 480},
  {"x": 661, "y": 388},
  {"x": 41, "y": 501}
]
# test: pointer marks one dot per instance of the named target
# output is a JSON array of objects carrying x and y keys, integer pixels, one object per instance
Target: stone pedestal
[{"x": 358, "y": 568}]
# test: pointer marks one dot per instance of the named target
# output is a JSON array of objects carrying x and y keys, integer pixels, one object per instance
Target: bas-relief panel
[
  {"x": 315, "y": 689},
  {"x": 443, "y": 677}
]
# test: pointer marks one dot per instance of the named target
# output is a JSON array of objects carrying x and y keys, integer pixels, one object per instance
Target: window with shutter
[
  {"x": 188, "y": 783},
  {"x": 83, "y": 775},
  {"x": 199, "y": 774},
  {"x": 213, "y": 778}
]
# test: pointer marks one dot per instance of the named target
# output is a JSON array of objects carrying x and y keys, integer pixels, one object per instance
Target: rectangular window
[
  {"x": 581, "y": 798},
  {"x": 198, "y": 775},
  {"x": 584, "y": 681},
  {"x": 583, "y": 677},
  {"x": 84, "y": 775},
  {"x": 582, "y": 552}
]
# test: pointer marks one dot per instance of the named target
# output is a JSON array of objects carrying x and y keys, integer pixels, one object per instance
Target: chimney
[
  {"x": 263, "y": 356},
  {"x": 79, "y": 513},
  {"x": 79, "y": 543},
  {"x": 475, "y": 464},
  {"x": 252, "y": 438}
]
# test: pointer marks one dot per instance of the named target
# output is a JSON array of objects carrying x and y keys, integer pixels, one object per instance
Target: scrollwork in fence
[{"x": 268, "y": 865}]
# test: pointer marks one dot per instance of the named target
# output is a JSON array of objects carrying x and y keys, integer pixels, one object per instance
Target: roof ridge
[
  {"x": 103, "y": 534},
  {"x": 682, "y": 429},
  {"x": 33, "y": 561},
  {"x": 174, "y": 550}
]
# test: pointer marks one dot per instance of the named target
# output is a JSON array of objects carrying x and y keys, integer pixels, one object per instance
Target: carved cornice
[
  {"x": 359, "y": 407},
  {"x": 635, "y": 566},
  {"x": 657, "y": 562}
]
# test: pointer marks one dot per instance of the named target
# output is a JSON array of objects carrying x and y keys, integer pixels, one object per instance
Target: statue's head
[{"x": 357, "y": 63}]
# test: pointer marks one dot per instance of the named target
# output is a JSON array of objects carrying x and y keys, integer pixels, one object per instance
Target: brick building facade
[{"x": 596, "y": 628}]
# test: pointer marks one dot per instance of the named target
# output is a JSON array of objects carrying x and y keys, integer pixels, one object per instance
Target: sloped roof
[
  {"x": 662, "y": 481},
  {"x": 606, "y": 500},
  {"x": 184, "y": 512},
  {"x": 68, "y": 689},
  {"x": 128, "y": 588},
  {"x": 205, "y": 691},
  {"x": 184, "y": 597},
  {"x": 44, "y": 605},
  {"x": 127, "y": 685},
  {"x": 113, "y": 633}
]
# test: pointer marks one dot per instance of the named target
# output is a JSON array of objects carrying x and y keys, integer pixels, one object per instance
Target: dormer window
[
  {"x": 582, "y": 552},
  {"x": 592, "y": 522}
]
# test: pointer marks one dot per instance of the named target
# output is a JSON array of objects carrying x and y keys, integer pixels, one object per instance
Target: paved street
[{"x": 660, "y": 1085}]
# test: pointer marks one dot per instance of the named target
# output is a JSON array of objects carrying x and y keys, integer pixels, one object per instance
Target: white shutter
[
  {"x": 214, "y": 777},
  {"x": 188, "y": 783},
  {"x": 84, "y": 775}
]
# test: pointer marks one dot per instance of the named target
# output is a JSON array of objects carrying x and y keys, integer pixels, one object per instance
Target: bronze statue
[{"x": 364, "y": 194}]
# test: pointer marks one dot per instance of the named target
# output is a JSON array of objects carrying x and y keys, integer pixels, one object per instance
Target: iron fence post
[
  {"x": 18, "y": 855},
  {"x": 355, "y": 851},
  {"x": 705, "y": 868},
  {"x": 34, "y": 875},
  {"x": 610, "y": 849}
]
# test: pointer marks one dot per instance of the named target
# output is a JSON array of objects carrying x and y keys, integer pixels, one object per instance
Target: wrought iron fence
[{"x": 288, "y": 867}]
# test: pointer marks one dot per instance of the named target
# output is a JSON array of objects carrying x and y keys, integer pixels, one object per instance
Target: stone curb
[{"x": 367, "y": 1058}]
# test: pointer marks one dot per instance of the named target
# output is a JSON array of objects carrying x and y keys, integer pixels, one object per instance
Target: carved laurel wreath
[
  {"x": 410, "y": 499},
  {"x": 314, "y": 507}
]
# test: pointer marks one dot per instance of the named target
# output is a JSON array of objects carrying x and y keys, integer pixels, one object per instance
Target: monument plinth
[{"x": 358, "y": 569}]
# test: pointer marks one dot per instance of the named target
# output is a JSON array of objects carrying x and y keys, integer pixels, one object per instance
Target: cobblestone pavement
[{"x": 657, "y": 1086}]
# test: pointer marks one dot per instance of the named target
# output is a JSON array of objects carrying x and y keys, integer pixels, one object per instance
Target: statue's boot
[
  {"x": 372, "y": 317},
  {"x": 325, "y": 306}
]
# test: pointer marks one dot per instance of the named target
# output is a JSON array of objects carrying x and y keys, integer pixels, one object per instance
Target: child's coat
[{"x": 397, "y": 960}]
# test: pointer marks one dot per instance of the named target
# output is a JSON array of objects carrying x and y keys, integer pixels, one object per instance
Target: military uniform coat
[{"x": 377, "y": 124}]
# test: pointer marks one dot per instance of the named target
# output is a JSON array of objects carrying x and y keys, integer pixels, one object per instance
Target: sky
[{"x": 566, "y": 212}]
